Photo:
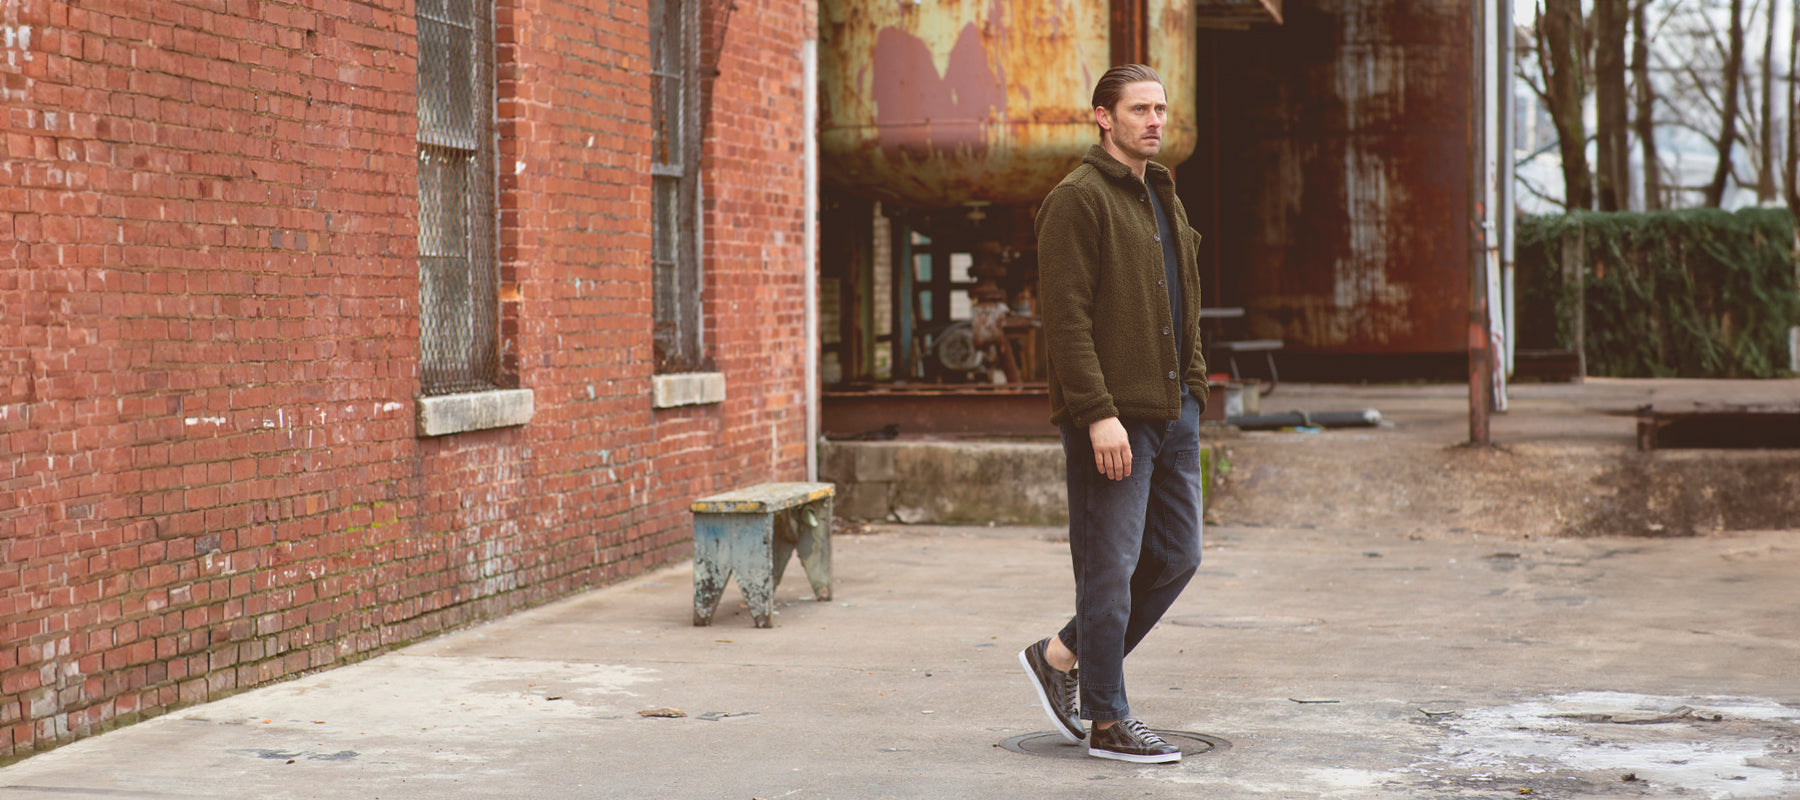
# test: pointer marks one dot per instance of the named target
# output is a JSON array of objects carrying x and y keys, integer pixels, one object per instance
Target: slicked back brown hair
[{"x": 1112, "y": 86}]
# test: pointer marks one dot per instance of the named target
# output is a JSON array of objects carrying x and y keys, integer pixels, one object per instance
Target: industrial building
[{"x": 330, "y": 325}]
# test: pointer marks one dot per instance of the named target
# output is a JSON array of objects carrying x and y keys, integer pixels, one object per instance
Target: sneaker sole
[
  {"x": 1134, "y": 758},
  {"x": 1044, "y": 700}
]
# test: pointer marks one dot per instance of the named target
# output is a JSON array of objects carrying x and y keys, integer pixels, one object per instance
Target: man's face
[{"x": 1134, "y": 127}]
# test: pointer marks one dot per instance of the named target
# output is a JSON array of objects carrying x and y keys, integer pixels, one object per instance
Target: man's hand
[{"x": 1112, "y": 448}]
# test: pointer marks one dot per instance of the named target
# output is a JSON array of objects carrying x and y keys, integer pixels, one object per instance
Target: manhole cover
[{"x": 1050, "y": 743}]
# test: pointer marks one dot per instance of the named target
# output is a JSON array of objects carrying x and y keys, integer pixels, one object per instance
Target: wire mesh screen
[
  {"x": 675, "y": 187},
  {"x": 458, "y": 281},
  {"x": 665, "y": 248}
]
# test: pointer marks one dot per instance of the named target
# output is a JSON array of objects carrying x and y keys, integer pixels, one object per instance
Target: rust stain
[
  {"x": 918, "y": 111},
  {"x": 1352, "y": 154},
  {"x": 1173, "y": 56},
  {"x": 930, "y": 105}
]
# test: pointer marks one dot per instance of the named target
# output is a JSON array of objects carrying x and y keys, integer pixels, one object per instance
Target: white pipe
[
  {"x": 1500, "y": 334},
  {"x": 809, "y": 76},
  {"x": 1509, "y": 144}
]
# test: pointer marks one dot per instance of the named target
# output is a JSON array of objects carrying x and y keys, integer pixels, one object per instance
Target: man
[{"x": 1121, "y": 300}]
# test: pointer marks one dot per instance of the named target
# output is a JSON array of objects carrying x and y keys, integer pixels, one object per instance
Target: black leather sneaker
[
  {"x": 1055, "y": 690},
  {"x": 1129, "y": 740}
]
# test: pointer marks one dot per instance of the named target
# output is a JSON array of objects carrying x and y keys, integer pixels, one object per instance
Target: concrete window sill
[
  {"x": 475, "y": 411},
  {"x": 687, "y": 389}
]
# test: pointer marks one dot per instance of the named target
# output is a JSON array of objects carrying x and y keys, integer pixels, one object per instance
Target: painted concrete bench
[{"x": 750, "y": 533}]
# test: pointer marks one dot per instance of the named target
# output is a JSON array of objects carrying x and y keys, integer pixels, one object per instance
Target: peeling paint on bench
[
  {"x": 762, "y": 498},
  {"x": 750, "y": 533}
]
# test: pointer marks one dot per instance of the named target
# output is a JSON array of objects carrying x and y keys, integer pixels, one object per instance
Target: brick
[{"x": 272, "y": 299}]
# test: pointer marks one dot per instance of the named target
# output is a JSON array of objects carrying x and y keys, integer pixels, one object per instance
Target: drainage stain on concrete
[
  {"x": 290, "y": 756},
  {"x": 1713, "y": 747}
]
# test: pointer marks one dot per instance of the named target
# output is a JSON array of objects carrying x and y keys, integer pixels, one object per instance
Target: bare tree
[
  {"x": 1679, "y": 77},
  {"x": 1646, "y": 107},
  {"x": 1793, "y": 118},
  {"x": 1562, "y": 57},
  {"x": 1612, "y": 122},
  {"x": 1734, "y": 69},
  {"x": 1691, "y": 55},
  {"x": 1765, "y": 168}
]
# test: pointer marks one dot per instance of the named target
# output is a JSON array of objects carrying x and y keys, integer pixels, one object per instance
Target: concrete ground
[
  {"x": 1305, "y": 661},
  {"x": 1595, "y": 412}
]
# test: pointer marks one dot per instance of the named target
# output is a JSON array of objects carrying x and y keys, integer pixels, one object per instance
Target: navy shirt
[{"x": 1171, "y": 272}]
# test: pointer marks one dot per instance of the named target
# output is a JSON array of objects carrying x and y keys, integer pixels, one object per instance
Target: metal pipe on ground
[{"x": 1367, "y": 418}]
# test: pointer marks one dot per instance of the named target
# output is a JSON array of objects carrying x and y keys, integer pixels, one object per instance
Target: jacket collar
[{"x": 1116, "y": 170}]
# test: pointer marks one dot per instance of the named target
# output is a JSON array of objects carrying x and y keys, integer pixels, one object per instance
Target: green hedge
[{"x": 1698, "y": 293}]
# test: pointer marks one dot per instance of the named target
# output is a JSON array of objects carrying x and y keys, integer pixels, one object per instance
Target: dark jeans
[{"x": 1135, "y": 544}]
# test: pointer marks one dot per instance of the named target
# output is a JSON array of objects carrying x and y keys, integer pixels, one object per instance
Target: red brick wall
[{"x": 209, "y": 473}]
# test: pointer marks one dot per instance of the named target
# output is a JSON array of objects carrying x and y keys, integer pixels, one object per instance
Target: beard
[{"x": 1136, "y": 146}]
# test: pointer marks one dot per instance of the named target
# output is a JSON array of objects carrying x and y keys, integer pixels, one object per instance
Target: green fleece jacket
[{"x": 1106, "y": 310}]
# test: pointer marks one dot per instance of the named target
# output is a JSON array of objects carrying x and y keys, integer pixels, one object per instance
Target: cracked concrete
[
  {"x": 1335, "y": 663},
  {"x": 1353, "y": 637}
]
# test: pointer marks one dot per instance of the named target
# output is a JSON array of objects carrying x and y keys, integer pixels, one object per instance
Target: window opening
[
  {"x": 459, "y": 313},
  {"x": 675, "y": 185}
]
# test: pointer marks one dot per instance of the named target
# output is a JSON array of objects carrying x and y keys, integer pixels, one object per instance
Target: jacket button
[
  {"x": 1165, "y": 330},
  {"x": 1171, "y": 376},
  {"x": 1141, "y": 198},
  {"x": 1156, "y": 237},
  {"x": 1162, "y": 284}
]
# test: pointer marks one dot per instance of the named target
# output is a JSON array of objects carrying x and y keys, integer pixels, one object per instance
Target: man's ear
[{"x": 1102, "y": 118}]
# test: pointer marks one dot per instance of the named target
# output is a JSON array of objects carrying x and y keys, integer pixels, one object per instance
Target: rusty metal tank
[
  {"x": 936, "y": 103},
  {"x": 1344, "y": 176}
]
